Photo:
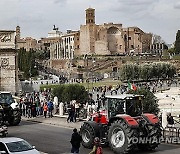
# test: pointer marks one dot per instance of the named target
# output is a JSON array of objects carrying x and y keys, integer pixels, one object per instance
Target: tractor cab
[{"x": 123, "y": 104}]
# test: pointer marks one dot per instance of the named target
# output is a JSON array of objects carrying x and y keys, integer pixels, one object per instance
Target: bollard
[
  {"x": 164, "y": 119},
  {"x": 61, "y": 110},
  {"x": 55, "y": 103}
]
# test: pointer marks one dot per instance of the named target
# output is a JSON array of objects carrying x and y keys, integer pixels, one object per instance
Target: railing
[{"x": 171, "y": 133}]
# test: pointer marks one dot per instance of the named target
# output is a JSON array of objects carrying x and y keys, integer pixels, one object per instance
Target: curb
[
  {"x": 67, "y": 116},
  {"x": 51, "y": 123}
]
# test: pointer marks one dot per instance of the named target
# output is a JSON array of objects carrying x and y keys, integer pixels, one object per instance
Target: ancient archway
[{"x": 8, "y": 62}]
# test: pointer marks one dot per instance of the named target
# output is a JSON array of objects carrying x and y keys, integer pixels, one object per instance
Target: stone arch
[
  {"x": 113, "y": 30},
  {"x": 113, "y": 37}
]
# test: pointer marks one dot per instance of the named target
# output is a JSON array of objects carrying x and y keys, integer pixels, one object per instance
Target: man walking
[{"x": 75, "y": 141}]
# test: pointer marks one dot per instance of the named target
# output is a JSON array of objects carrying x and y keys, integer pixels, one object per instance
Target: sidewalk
[{"x": 56, "y": 120}]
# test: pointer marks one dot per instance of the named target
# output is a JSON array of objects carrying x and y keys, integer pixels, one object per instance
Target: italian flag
[{"x": 132, "y": 86}]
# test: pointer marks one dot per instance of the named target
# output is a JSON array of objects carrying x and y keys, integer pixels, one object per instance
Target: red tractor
[{"x": 123, "y": 125}]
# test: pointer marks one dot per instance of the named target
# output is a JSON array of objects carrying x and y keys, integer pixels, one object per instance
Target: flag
[
  {"x": 129, "y": 85},
  {"x": 132, "y": 86}
]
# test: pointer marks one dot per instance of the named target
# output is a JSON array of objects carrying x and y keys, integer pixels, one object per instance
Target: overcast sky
[{"x": 37, "y": 17}]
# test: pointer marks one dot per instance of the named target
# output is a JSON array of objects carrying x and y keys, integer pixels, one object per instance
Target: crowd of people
[{"x": 36, "y": 104}]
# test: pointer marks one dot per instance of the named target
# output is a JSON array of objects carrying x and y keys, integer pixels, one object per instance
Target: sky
[{"x": 37, "y": 17}]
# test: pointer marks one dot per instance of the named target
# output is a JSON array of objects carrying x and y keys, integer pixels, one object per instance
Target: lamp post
[
  {"x": 92, "y": 73},
  {"x": 86, "y": 63}
]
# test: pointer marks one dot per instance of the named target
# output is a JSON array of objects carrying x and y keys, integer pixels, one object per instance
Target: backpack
[{"x": 99, "y": 150}]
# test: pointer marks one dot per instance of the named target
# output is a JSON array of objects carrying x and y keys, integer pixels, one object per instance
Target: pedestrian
[
  {"x": 97, "y": 149},
  {"x": 75, "y": 141},
  {"x": 90, "y": 100},
  {"x": 77, "y": 108},
  {"x": 170, "y": 120},
  {"x": 38, "y": 107},
  {"x": 45, "y": 109},
  {"x": 50, "y": 108},
  {"x": 29, "y": 113},
  {"x": 33, "y": 109},
  {"x": 72, "y": 114}
]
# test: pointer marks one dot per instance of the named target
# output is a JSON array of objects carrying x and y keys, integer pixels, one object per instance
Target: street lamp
[
  {"x": 86, "y": 63},
  {"x": 92, "y": 72}
]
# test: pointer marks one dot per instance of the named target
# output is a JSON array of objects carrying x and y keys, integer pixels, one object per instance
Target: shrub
[
  {"x": 150, "y": 104},
  {"x": 68, "y": 92}
]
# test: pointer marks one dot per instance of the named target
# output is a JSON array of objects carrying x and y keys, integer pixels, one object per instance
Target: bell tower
[
  {"x": 90, "y": 16},
  {"x": 18, "y": 33}
]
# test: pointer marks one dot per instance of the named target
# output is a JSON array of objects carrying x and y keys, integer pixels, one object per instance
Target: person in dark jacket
[
  {"x": 170, "y": 119},
  {"x": 75, "y": 141},
  {"x": 50, "y": 108}
]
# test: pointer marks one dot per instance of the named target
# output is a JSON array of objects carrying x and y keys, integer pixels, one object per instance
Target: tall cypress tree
[{"x": 177, "y": 42}]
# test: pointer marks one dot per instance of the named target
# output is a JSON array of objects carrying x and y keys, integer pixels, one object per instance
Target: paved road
[{"x": 55, "y": 139}]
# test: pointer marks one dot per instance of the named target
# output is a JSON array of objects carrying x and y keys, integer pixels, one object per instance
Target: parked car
[{"x": 13, "y": 145}]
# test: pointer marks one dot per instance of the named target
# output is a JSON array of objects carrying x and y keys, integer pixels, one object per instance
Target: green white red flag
[{"x": 132, "y": 86}]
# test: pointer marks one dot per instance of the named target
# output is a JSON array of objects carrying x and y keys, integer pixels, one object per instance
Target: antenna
[{"x": 17, "y": 21}]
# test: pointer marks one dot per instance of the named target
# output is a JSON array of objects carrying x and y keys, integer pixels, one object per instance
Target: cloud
[
  {"x": 134, "y": 5},
  {"x": 36, "y": 17},
  {"x": 136, "y": 2},
  {"x": 62, "y": 2},
  {"x": 177, "y": 5}
]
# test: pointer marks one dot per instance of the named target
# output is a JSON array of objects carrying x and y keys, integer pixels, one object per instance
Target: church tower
[
  {"x": 88, "y": 33},
  {"x": 18, "y": 33},
  {"x": 90, "y": 16}
]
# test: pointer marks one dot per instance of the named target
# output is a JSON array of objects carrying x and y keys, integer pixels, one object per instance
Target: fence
[{"x": 171, "y": 133}]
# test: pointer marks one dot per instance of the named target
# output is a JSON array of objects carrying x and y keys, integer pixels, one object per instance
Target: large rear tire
[
  {"x": 88, "y": 134},
  {"x": 154, "y": 138},
  {"x": 120, "y": 137},
  {"x": 16, "y": 118}
]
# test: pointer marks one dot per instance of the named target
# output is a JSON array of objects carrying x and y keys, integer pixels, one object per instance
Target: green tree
[
  {"x": 58, "y": 91},
  {"x": 42, "y": 55},
  {"x": 171, "y": 71},
  {"x": 147, "y": 71},
  {"x": 150, "y": 103},
  {"x": 171, "y": 51},
  {"x": 68, "y": 92},
  {"x": 177, "y": 42},
  {"x": 26, "y": 63}
]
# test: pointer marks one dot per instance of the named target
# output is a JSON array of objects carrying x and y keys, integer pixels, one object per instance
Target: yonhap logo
[{"x": 152, "y": 140}]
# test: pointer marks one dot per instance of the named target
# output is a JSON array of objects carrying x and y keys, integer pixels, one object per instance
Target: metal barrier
[{"x": 171, "y": 134}]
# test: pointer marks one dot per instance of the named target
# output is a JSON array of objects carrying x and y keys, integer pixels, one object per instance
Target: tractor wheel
[
  {"x": 16, "y": 118},
  {"x": 88, "y": 134},
  {"x": 120, "y": 137},
  {"x": 153, "y": 140}
]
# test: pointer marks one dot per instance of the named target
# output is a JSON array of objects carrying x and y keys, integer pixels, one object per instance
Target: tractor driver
[{"x": 119, "y": 108}]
